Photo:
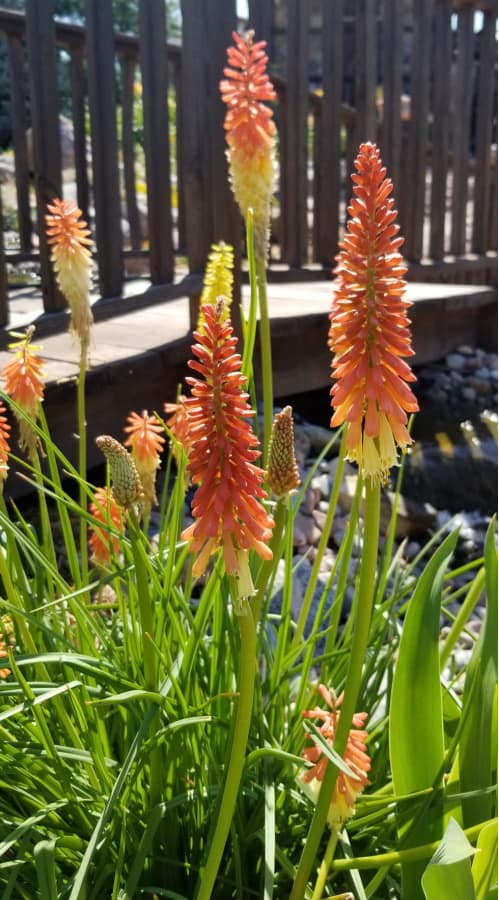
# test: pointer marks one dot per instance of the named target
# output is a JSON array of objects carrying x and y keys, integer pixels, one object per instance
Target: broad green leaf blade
[
  {"x": 478, "y": 744},
  {"x": 484, "y": 868},
  {"x": 416, "y": 734},
  {"x": 448, "y": 874}
]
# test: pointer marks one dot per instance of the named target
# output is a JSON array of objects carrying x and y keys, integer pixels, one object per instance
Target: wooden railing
[{"x": 439, "y": 147}]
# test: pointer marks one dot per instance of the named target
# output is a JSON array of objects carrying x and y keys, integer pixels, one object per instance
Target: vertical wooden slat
[
  {"x": 16, "y": 66},
  {"x": 484, "y": 99},
  {"x": 442, "y": 56},
  {"x": 154, "y": 68},
  {"x": 261, "y": 20},
  {"x": 196, "y": 161},
  {"x": 102, "y": 104},
  {"x": 392, "y": 89},
  {"x": 78, "y": 94},
  {"x": 461, "y": 128},
  {"x": 179, "y": 150},
  {"x": 4, "y": 287},
  {"x": 295, "y": 176},
  {"x": 327, "y": 167},
  {"x": 40, "y": 35},
  {"x": 492, "y": 206},
  {"x": 128, "y": 147},
  {"x": 365, "y": 70},
  {"x": 414, "y": 207}
]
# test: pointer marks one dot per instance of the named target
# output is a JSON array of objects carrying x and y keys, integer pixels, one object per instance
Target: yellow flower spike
[
  {"x": 218, "y": 278},
  {"x": 68, "y": 235},
  {"x": 125, "y": 482},
  {"x": 282, "y": 474},
  {"x": 24, "y": 385}
]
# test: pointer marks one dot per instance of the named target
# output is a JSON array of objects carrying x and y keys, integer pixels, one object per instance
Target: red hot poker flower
[
  {"x": 348, "y": 787},
  {"x": 24, "y": 384},
  {"x": 369, "y": 331},
  {"x": 105, "y": 510},
  {"x": 146, "y": 438},
  {"x": 68, "y": 235},
  {"x": 250, "y": 131},
  {"x": 222, "y": 454},
  {"x": 4, "y": 444}
]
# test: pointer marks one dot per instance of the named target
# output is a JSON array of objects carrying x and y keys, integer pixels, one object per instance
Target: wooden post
[
  {"x": 179, "y": 150},
  {"x": 4, "y": 285},
  {"x": 16, "y": 66},
  {"x": 294, "y": 179},
  {"x": 127, "y": 143},
  {"x": 442, "y": 53},
  {"x": 484, "y": 116},
  {"x": 327, "y": 171},
  {"x": 392, "y": 90},
  {"x": 365, "y": 81},
  {"x": 461, "y": 129},
  {"x": 261, "y": 20},
  {"x": 40, "y": 35},
  {"x": 154, "y": 68},
  {"x": 195, "y": 132},
  {"x": 102, "y": 104},
  {"x": 78, "y": 94},
  {"x": 412, "y": 211}
]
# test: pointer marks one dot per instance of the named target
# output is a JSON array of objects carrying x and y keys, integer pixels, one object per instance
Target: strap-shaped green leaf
[
  {"x": 416, "y": 720},
  {"x": 478, "y": 744},
  {"x": 484, "y": 868}
]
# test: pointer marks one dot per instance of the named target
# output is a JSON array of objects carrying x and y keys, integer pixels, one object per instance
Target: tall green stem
[
  {"x": 247, "y": 671},
  {"x": 320, "y": 884},
  {"x": 82, "y": 458},
  {"x": 352, "y": 687},
  {"x": 265, "y": 356}
]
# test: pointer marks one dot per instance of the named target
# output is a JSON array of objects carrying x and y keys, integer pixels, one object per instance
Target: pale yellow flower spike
[{"x": 218, "y": 279}]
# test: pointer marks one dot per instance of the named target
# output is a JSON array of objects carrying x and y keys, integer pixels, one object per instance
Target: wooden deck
[{"x": 138, "y": 359}]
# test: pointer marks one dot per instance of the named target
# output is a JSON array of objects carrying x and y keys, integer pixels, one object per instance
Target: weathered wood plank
[
  {"x": 128, "y": 148},
  {"x": 261, "y": 20},
  {"x": 4, "y": 286},
  {"x": 78, "y": 95},
  {"x": 461, "y": 129},
  {"x": 40, "y": 35},
  {"x": 327, "y": 164},
  {"x": 392, "y": 90},
  {"x": 365, "y": 70},
  {"x": 179, "y": 159},
  {"x": 18, "y": 113},
  {"x": 295, "y": 181},
  {"x": 102, "y": 104},
  {"x": 442, "y": 57},
  {"x": 194, "y": 131},
  {"x": 492, "y": 223},
  {"x": 484, "y": 114},
  {"x": 414, "y": 208},
  {"x": 154, "y": 68}
]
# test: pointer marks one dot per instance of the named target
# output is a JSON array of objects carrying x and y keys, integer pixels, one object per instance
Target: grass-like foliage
[{"x": 170, "y": 724}]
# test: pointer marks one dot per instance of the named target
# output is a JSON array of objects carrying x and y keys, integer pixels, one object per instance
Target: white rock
[{"x": 455, "y": 361}]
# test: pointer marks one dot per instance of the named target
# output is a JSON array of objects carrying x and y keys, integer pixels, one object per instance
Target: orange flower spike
[
  {"x": 250, "y": 132},
  {"x": 105, "y": 510},
  {"x": 146, "y": 439},
  {"x": 222, "y": 456},
  {"x": 369, "y": 327},
  {"x": 68, "y": 235},
  {"x": 24, "y": 384},
  {"x": 4, "y": 444},
  {"x": 348, "y": 787}
]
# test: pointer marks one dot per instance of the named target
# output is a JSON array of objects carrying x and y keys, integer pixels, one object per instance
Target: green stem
[
  {"x": 266, "y": 357},
  {"x": 268, "y": 566},
  {"x": 325, "y": 865},
  {"x": 247, "y": 671},
  {"x": 82, "y": 458},
  {"x": 352, "y": 687}
]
